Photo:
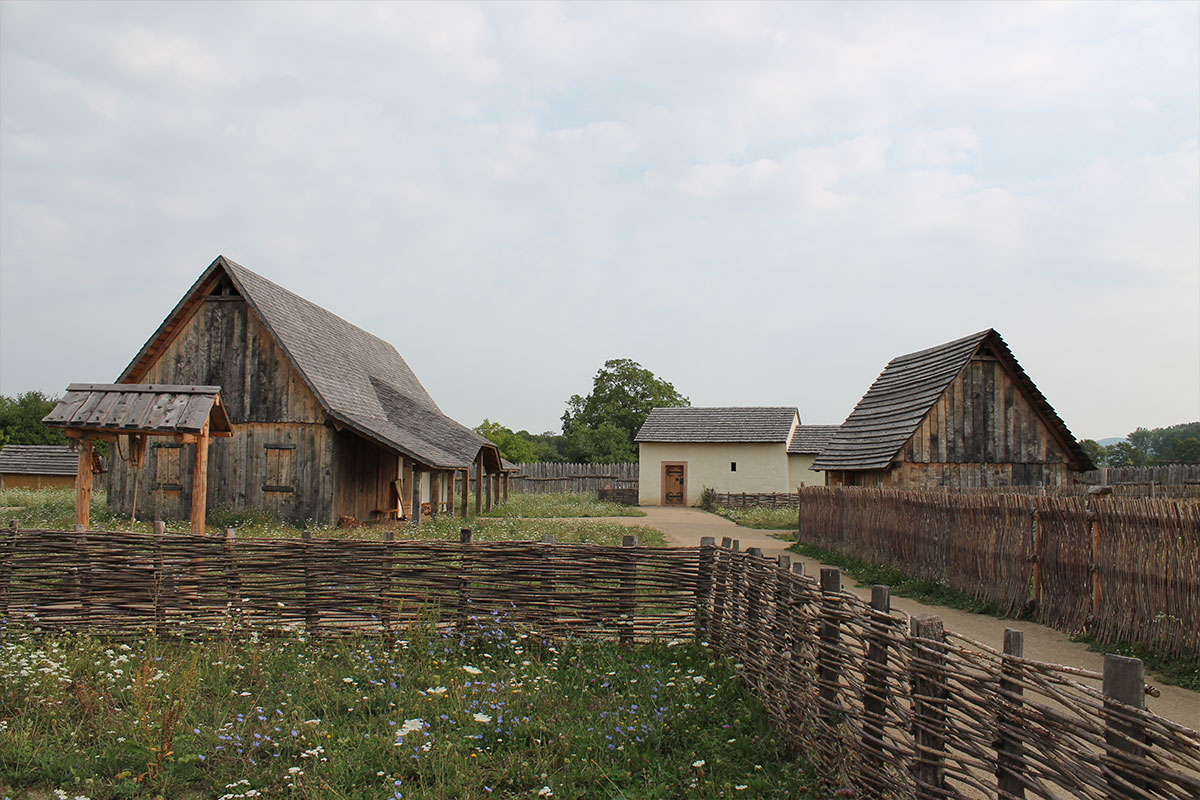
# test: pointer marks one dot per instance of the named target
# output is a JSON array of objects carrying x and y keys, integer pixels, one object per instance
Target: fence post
[
  {"x": 385, "y": 585},
  {"x": 735, "y": 603},
  {"x": 1036, "y": 548},
  {"x": 875, "y": 674},
  {"x": 628, "y": 590},
  {"x": 716, "y": 634},
  {"x": 83, "y": 583},
  {"x": 1124, "y": 732},
  {"x": 756, "y": 576},
  {"x": 8, "y": 552},
  {"x": 464, "y": 579},
  {"x": 1009, "y": 750},
  {"x": 828, "y": 656},
  {"x": 311, "y": 612},
  {"x": 704, "y": 585},
  {"x": 928, "y": 695},
  {"x": 1093, "y": 518}
]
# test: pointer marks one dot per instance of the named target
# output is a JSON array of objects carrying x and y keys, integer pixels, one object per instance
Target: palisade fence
[
  {"x": 897, "y": 707},
  {"x": 1119, "y": 568},
  {"x": 546, "y": 477}
]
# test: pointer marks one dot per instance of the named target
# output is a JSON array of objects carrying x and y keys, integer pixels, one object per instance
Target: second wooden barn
[
  {"x": 329, "y": 421},
  {"x": 962, "y": 415}
]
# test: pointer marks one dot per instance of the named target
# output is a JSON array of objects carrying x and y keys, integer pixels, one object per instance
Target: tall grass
[
  {"x": 499, "y": 713},
  {"x": 761, "y": 517},
  {"x": 562, "y": 504},
  {"x": 55, "y": 508}
]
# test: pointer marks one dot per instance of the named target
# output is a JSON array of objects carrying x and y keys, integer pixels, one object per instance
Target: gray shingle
[
  {"x": 811, "y": 439},
  {"x": 718, "y": 424},
  {"x": 38, "y": 459}
]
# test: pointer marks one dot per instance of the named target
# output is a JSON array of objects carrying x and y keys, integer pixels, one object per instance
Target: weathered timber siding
[
  {"x": 280, "y": 440},
  {"x": 364, "y": 475}
]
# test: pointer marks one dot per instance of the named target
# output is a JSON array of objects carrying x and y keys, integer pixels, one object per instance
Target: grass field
[
  {"x": 760, "y": 517},
  {"x": 500, "y": 714},
  {"x": 565, "y": 516}
]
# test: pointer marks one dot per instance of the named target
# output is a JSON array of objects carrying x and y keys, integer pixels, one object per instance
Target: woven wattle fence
[
  {"x": 1119, "y": 568},
  {"x": 895, "y": 706}
]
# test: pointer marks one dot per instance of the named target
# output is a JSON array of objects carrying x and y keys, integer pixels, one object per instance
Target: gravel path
[{"x": 684, "y": 526}]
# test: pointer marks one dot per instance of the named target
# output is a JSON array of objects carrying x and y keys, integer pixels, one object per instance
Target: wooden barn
[
  {"x": 963, "y": 414},
  {"x": 328, "y": 421},
  {"x": 37, "y": 466}
]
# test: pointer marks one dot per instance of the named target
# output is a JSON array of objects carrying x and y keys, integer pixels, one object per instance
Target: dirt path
[{"x": 684, "y": 527}]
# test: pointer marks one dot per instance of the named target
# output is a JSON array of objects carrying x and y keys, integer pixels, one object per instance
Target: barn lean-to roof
[
  {"x": 361, "y": 381},
  {"x": 719, "y": 424},
  {"x": 888, "y": 414}
]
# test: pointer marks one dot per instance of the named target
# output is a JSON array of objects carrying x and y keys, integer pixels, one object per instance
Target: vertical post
[
  {"x": 716, "y": 634},
  {"x": 233, "y": 578},
  {"x": 311, "y": 612},
  {"x": 83, "y": 485},
  {"x": 1036, "y": 549},
  {"x": 1124, "y": 731},
  {"x": 491, "y": 491},
  {"x": 928, "y": 694},
  {"x": 464, "y": 579},
  {"x": 1009, "y": 750},
  {"x": 628, "y": 591},
  {"x": 414, "y": 514},
  {"x": 385, "y": 585},
  {"x": 466, "y": 487},
  {"x": 704, "y": 585},
  {"x": 435, "y": 493},
  {"x": 506, "y": 487},
  {"x": 780, "y": 644},
  {"x": 829, "y": 655},
  {"x": 406, "y": 484},
  {"x": 1094, "y": 530},
  {"x": 875, "y": 674},
  {"x": 200, "y": 481},
  {"x": 548, "y": 582},
  {"x": 798, "y": 665},
  {"x": 8, "y": 548},
  {"x": 479, "y": 490}
]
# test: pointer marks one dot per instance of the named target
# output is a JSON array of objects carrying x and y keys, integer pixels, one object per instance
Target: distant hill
[{"x": 1110, "y": 441}]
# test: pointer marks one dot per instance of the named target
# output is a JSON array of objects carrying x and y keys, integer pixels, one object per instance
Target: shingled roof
[
  {"x": 909, "y": 386},
  {"x": 360, "y": 380},
  {"x": 811, "y": 439},
  {"x": 721, "y": 424},
  {"x": 38, "y": 459}
]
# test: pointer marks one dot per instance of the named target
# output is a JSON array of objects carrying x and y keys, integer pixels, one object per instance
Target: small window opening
[{"x": 733, "y": 466}]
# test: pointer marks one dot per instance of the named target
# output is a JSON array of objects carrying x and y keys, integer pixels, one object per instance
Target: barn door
[{"x": 674, "y": 483}]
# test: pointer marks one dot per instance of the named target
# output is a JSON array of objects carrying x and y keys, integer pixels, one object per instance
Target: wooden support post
[
  {"x": 928, "y": 696},
  {"x": 435, "y": 493},
  {"x": 1124, "y": 731},
  {"x": 1009, "y": 750},
  {"x": 414, "y": 514},
  {"x": 466, "y": 489},
  {"x": 83, "y": 485},
  {"x": 489, "y": 490},
  {"x": 311, "y": 593},
  {"x": 233, "y": 578},
  {"x": 628, "y": 591},
  {"x": 780, "y": 635},
  {"x": 200, "y": 481},
  {"x": 1037, "y": 550},
  {"x": 479, "y": 487},
  {"x": 875, "y": 675},
  {"x": 406, "y": 488},
  {"x": 464, "y": 580},
  {"x": 735, "y": 603},
  {"x": 1093, "y": 519},
  {"x": 704, "y": 585},
  {"x": 829, "y": 657},
  {"x": 799, "y": 663},
  {"x": 506, "y": 487}
]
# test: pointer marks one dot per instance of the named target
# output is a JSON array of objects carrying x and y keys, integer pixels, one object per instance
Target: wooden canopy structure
[{"x": 91, "y": 412}]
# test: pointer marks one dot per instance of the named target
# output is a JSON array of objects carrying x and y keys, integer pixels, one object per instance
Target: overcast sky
[{"x": 762, "y": 204}]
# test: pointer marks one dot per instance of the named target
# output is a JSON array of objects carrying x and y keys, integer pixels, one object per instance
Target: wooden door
[{"x": 674, "y": 483}]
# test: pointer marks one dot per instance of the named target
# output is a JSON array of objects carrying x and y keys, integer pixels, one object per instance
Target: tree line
[{"x": 1148, "y": 447}]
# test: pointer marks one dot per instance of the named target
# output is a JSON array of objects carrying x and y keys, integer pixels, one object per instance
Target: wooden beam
[
  {"x": 435, "y": 493},
  {"x": 200, "y": 481},
  {"x": 479, "y": 487},
  {"x": 83, "y": 485}
]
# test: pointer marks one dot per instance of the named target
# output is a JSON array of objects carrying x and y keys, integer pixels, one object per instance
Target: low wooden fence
[
  {"x": 1117, "y": 567},
  {"x": 754, "y": 500},
  {"x": 546, "y": 477},
  {"x": 897, "y": 707},
  {"x": 1163, "y": 475}
]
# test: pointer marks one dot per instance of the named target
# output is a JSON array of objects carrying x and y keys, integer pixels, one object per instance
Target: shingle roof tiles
[
  {"x": 38, "y": 459},
  {"x": 718, "y": 424}
]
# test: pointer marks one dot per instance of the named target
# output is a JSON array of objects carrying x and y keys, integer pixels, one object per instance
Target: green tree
[
  {"x": 513, "y": 447},
  {"x": 1124, "y": 454},
  {"x": 21, "y": 420},
  {"x": 602, "y": 424},
  {"x": 1096, "y": 451},
  {"x": 1186, "y": 451}
]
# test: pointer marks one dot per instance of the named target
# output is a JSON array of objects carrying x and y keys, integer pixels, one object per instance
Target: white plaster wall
[
  {"x": 760, "y": 468},
  {"x": 799, "y": 473}
]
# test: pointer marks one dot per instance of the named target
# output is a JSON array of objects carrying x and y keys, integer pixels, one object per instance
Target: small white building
[{"x": 682, "y": 451}]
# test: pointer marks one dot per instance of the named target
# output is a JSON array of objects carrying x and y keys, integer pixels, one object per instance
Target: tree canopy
[
  {"x": 601, "y": 426},
  {"x": 21, "y": 420},
  {"x": 1174, "y": 444}
]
